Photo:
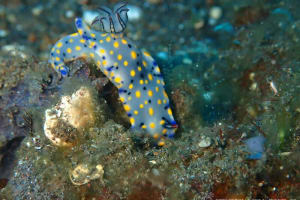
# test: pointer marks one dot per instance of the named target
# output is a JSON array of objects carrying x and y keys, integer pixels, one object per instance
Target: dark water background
[{"x": 232, "y": 72}]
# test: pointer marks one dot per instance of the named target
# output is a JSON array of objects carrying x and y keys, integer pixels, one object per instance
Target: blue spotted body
[{"x": 132, "y": 71}]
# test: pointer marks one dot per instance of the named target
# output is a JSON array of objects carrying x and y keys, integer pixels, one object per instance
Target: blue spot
[
  {"x": 154, "y": 63},
  {"x": 103, "y": 57},
  {"x": 63, "y": 71},
  {"x": 171, "y": 135},
  {"x": 110, "y": 68},
  {"x": 79, "y": 23},
  {"x": 85, "y": 37},
  {"x": 122, "y": 90},
  {"x": 95, "y": 47},
  {"x": 173, "y": 122},
  {"x": 167, "y": 106},
  {"x": 129, "y": 114}
]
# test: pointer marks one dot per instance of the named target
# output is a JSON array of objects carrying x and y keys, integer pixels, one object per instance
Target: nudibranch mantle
[{"x": 132, "y": 71}]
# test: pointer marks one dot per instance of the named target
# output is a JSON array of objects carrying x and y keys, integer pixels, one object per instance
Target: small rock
[
  {"x": 199, "y": 24},
  {"x": 66, "y": 119},
  {"x": 70, "y": 14},
  {"x": 36, "y": 11},
  {"x": 84, "y": 173},
  {"x": 3, "y": 33},
  {"x": 134, "y": 13},
  {"x": 205, "y": 142},
  {"x": 215, "y": 13}
]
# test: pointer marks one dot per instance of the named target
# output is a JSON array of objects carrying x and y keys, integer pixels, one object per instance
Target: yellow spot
[
  {"x": 139, "y": 68},
  {"x": 112, "y": 74},
  {"x": 146, "y": 53},
  {"x": 156, "y": 89},
  {"x": 104, "y": 62},
  {"x": 144, "y": 63},
  {"x": 169, "y": 111},
  {"x": 80, "y": 31},
  {"x": 127, "y": 107},
  {"x": 111, "y": 52},
  {"x": 150, "y": 93},
  {"x": 92, "y": 44},
  {"x": 157, "y": 69},
  {"x": 101, "y": 41},
  {"x": 116, "y": 44},
  {"x": 104, "y": 34},
  {"x": 146, "y": 81},
  {"x": 144, "y": 126},
  {"x": 158, "y": 81},
  {"x": 102, "y": 51},
  {"x": 132, "y": 73},
  {"x": 161, "y": 143},
  {"x": 165, "y": 94},
  {"x": 158, "y": 101},
  {"x": 150, "y": 111},
  {"x": 146, "y": 102},
  {"x": 162, "y": 122},
  {"x": 130, "y": 86},
  {"x": 132, "y": 121},
  {"x": 82, "y": 41},
  {"x": 150, "y": 77},
  {"x": 92, "y": 55},
  {"x": 124, "y": 41},
  {"x": 136, "y": 112},
  {"x": 77, "y": 48},
  {"x": 141, "y": 105},
  {"x": 58, "y": 51},
  {"x": 164, "y": 131},
  {"x": 69, "y": 50},
  {"x": 57, "y": 59},
  {"x": 116, "y": 64},
  {"x": 122, "y": 99},
  {"x": 71, "y": 40},
  {"x": 118, "y": 79},
  {"x": 98, "y": 63},
  {"x": 156, "y": 136},
  {"x": 106, "y": 72},
  {"x": 133, "y": 54},
  {"x": 108, "y": 39},
  {"x": 152, "y": 125},
  {"x": 129, "y": 98},
  {"x": 125, "y": 63},
  {"x": 74, "y": 34},
  {"x": 138, "y": 94},
  {"x": 59, "y": 45},
  {"x": 141, "y": 81},
  {"x": 165, "y": 101},
  {"x": 93, "y": 35},
  {"x": 120, "y": 57}
]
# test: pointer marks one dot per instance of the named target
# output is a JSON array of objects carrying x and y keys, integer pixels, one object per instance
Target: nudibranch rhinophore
[{"x": 132, "y": 71}]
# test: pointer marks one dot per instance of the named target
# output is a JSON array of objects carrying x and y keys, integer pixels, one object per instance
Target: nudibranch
[{"x": 134, "y": 72}]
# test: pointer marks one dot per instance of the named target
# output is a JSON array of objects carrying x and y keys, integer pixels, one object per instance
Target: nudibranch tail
[{"x": 134, "y": 72}]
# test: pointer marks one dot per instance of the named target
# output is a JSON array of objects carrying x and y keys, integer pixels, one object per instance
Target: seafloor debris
[
  {"x": 74, "y": 113},
  {"x": 84, "y": 173}
]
